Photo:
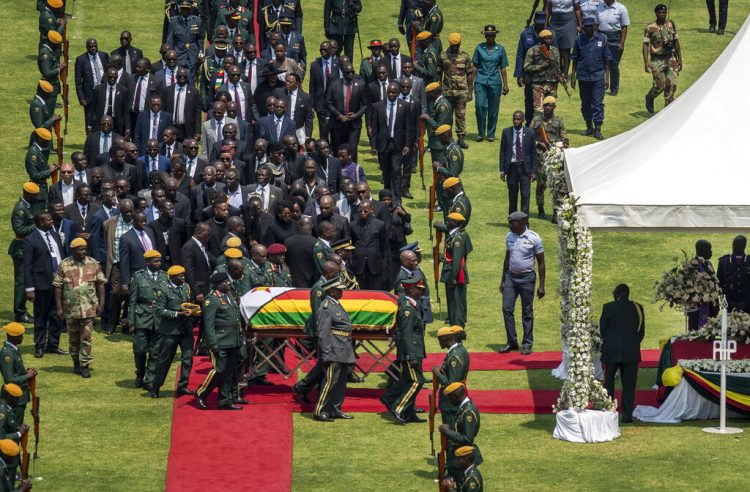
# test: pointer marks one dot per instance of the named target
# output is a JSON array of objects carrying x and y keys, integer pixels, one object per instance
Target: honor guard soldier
[
  {"x": 410, "y": 17},
  {"x": 51, "y": 18},
  {"x": 451, "y": 165},
  {"x": 39, "y": 110},
  {"x": 368, "y": 65},
  {"x": 335, "y": 351},
  {"x": 439, "y": 113},
  {"x": 455, "y": 274},
  {"x": 432, "y": 22},
  {"x": 549, "y": 130},
  {"x": 12, "y": 368},
  {"x": 9, "y": 428},
  {"x": 345, "y": 249},
  {"x": 9, "y": 457},
  {"x": 412, "y": 266},
  {"x": 427, "y": 56},
  {"x": 143, "y": 316},
  {"x": 340, "y": 23},
  {"x": 269, "y": 19},
  {"x": 37, "y": 167},
  {"x": 662, "y": 57},
  {"x": 50, "y": 66},
  {"x": 734, "y": 276},
  {"x": 454, "y": 369},
  {"x": 455, "y": 73},
  {"x": 463, "y": 431},
  {"x": 185, "y": 35},
  {"x": 22, "y": 223},
  {"x": 542, "y": 72},
  {"x": 456, "y": 199},
  {"x": 471, "y": 480},
  {"x": 175, "y": 330},
  {"x": 221, "y": 320}
]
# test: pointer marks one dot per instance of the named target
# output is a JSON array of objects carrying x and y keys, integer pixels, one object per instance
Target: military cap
[
  {"x": 78, "y": 243},
  {"x": 55, "y": 4},
  {"x": 456, "y": 216},
  {"x": 9, "y": 447},
  {"x": 546, "y": 33},
  {"x": 14, "y": 329},
  {"x": 452, "y": 181},
  {"x": 234, "y": 242},
  {"x": 432, "y": 86},
  {"x": 54, "y": 37},
  {"x": 375, "y": 43},
  {"x": 175, "y": 270},
  {"x": 540, "y": 17},
  {"x": 43, "y": 133},
  {"x": 660, "y": 7},
  {"x": 13, "y": 389},
  {"x": 549, "y": 100},
  {"x": 454, "y": 38},
  {"x": 453, "y": 387},
  {"x": 237, "y": 16},
  {"x": 219, "y": 277},
  {"x": 276, "y": 249},
  {"x": 517, "y": 216},
  {"x": 233, "y": 253},
  {"x": 334, "y": 283},
  {"x": 186, "y": 4},
  {"x": 412, "y": 247},
  {"x": 414, "y": 281},
  {"x": 424, "y": 35},
  {"x": 220, "y": 43},
  {"x": 152, "y": 253},
  {"x": 588, "y": 21},
  {"x": 442, "y": 129},
  {"x": 489, "y": 29},
  {"x": 285, "y": 21},
  {"x": 46, "y": 86},
  {"x": 343, "y": 244},
  {"x": 31, "y": 188},
  {"x": 465, "y": 451}
]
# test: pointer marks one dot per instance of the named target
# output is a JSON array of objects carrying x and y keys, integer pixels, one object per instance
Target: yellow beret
[
  {"x": 454, "y": 38},
  {"x": 452, "y": 181},
  {"x": 9, "y": 447},
  {"x": 424, "y": 35},
  {"x": 14, "y": 329},
  {"x": 78, "y": 243},
  {"x": 456, "y": 329},
  {"x": 55, "y": 4},
  {"x": 444, "y": 331},
  {"x": 46, "y": 86},
  {"x": 152, "y": 253},
  {"x": 453, "y": 387},
  {"x": 432, "y": 86},
  {"x": 465, "y": 451},
  {"x": 13, "y": 389},
  {"x": 442, "y": 129},
  {"x": 31, "y": 187},
  {"x": 234, "y": 242},
  {"x": 549, "y": 100},
  {"x": 54, "y": 37},
  {"x": 456, "y": 216},
  {"x": 43, "y": 133},
  {"x": 175, "y": 270},
  {"x": 233, "y": 253},
  {"x": 545, "y": 34},
  {"x": 672, "y": 376}
]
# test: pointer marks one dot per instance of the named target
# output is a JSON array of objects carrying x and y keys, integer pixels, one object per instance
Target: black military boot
[
  {"x": 589, "y": 129},
  {"x": 541, "y": 213},
  {"x": 649, "y": 103},
  {"x": 85, "y": 373},
  {"x": 461, "y": 142},
  {"x": 598, "y": 133},
  {"x": 76, "y": 367}
]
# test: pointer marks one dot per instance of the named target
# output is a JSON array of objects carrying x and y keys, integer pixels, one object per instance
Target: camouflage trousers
[
  {"x": 458, "y": 101},
  {"x": 541, "y": 90},
  {"x": 79, "y": 339},
  {"x": 665, "y": 72}
]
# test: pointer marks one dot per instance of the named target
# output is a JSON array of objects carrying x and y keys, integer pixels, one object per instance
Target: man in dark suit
[
  {"x": 237, "y": 193},
  {"x": 251, "y": 66},
  {"x": 394, "y": 60},
  {"x": 276, "y": 126},
  {"x": 257, "y": 222},
  {"x": 202, "y": 195},
  {"x": 64, "y": 190},
  {"x": 194, "y": 164},
  {"x": 370, "y": 239},
  {"x": 328, "y": 213},
  {"x": 392, "y": 138},
  {"x": 328, "y": 168},
  {"x": 323, "y": 71},
  {"x": 145, "y": 88},
  {"x": 518, "y": 162},
  {"x": 246, "y": 129},
  {"x": 100, "y": 141},
  {"x": 117, "y": 167},
  {"x": 82, "y": 212},
  {"x": 111, "y": 99},
  {"x": 151, "y": 124},
  {"x": 167, "y": 73},
  {"x": 409, "y": 96},
  {"x": 347, "y": 103},
  {"x": 64, "y": 227},
  {"x": 240, "y": 92},
  {"x": 377, "y": 90},
  {"x": 130, "y": 54},
  {"x": 170, "y": 234},
  {"x": 299, "y": 105},
  {"x": 96, "y": 242},
  {"x": 231, "y": 137},
  {"x": 181, "y": 202},
  {"x": 299, "y": 250},
  {"x": 169, "y": 144},
  {"x": 185, "y": 109},
  {"x": 622, "y": 327},
  {"x": 89, "y": 72},
  {"x": 132, "y": 245},
  {"x": 268, "y": 193},
  {"x": 42, "y": 253},
  {"x": 198, "y": 261}
]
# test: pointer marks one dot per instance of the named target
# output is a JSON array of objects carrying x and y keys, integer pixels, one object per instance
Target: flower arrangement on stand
[
  {"x": 738, "y": 328},
  {"x": 687, "y": 284}
]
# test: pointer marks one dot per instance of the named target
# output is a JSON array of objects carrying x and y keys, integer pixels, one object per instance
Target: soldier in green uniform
[
  {"x": 432, "y": 22},
  {"x": 452, "y": 164},
  {"x": 322, "y": 249},
  {"x": 50, "y": 66},
  {"x": 185, "y": 35},
  {"x": 554, "y": 132},
  {"x": 662, "y": 57},
  {"x": 454, "y": 369},
  {"x": 456, "y": 75},
  {"x": 455, "y": 274},
  {"x": 259, "y": 276},
  {"x": 335, "y": 351},
  {"x": 39, "y": 111},
  {"x": 79, "y": 297},
  {"x": 439, "y": 113},
  {"x": 340, "y": 23},
  {"x": 175, "y": 330},
  {"x": 280, "y": 276},
  {"x": 209, "y": 69},
  {"x": 463, "y": 431},
  {"x": 456, "y": 200},
  {"x": 541, "y": 72},
  {"x": 22, "y": 222},
  {"x": 51, "y": 18},
  {"x": 12, "y": 368},
  {"x": 427, "y": 57},
  {"x": 343, "y": 249},
  {"x": 470, "y": 478},
  {"x": 9, "y": 458},
  {"x": 368, "y": 65},
  {"x": 143, "y": 316},
  {"x": 410, "y": 352},
  {"x": 9, "y": 427},
  {"x": 37, "y": 167},
  {"x": 221, "y": 320}
]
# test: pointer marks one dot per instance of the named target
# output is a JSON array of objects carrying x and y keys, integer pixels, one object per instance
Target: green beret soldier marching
[
  {"x": 457, "y": 201},
  {"x": 427, "y": 57},
  {"x": 50, "y": 65},
  {"x": 462, "y": 432},
  {"x": 452, "y": 164},
  {"x": 9, "y": 427},
  {"x": 454, "y": 369},
  {"x": 37, "y": 167},
  {"x": 39, "y": 111}
]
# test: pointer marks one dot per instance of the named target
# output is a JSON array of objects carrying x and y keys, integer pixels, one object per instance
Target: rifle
[
  {"x": 35, "y": 416},
  {"x": 533, "y": 11},
  {"x": 543, "y": 133},
  {"x": 413, "y": 43},
  {"x": 433, "y": 411},
  {"x": 548, "y": 55},
  {"x": 58, "y": 136},
  {"x": 441, "y": 462},
  {"x": 25, "y": 457},
  {"x": 64, "y": 77},
  {"x": 422, "y": 130},
  {"x": 436, "y": 268}
]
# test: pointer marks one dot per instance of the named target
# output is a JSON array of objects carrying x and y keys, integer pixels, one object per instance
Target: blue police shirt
[
  {"x": 590, "y": 56},
  {"x": 523, "y": 249}
]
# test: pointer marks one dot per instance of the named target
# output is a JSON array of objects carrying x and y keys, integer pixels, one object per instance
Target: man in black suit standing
[
  {"x": 240, "y": 92},
  {"x": 82, "y": 212},
  {"x": 394, "y": 60},
  {"x": 370, "y": 239},
  {"x": 328, "y": 168},
  {"x": 145, "y": 87},
  {"x": 377, "y": 90},
  {"x": 347, "y": 103},
  {"x": 170, "y": 234},
  {"x": 89, "y": 73},
  {"x": 100, "y": 141},
  {"x": 392, "y": 137},
  {"x": 183, "y": 101},
  {"x": 276, "y": 126},
  {"x": 622, "y": 327},
  {"x": 132, "y": 245},
  {"x": 130, "y": 54},
  {"x": 299, "y": 106},
  {"x": 323, "y": 71},
  {"x": 151, "y": 124},
  {"x": 299, "y": 250},
  {"x": 118, "y": 167},
  {"x": 202, "y": 195},
  {"x": 518, "y": 162},
  {"x": 42, "y": 253},
  {"x": 198, "y": 261},
  {"x": 111, "y": 99}
]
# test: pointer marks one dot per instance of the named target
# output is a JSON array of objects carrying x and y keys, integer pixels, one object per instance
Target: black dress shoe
[
  {"x": 57, "y": 351},
  {"x": 507, "y": 348},
  {"x": 342, "y": 415},
  {"x": 25, "y": 319},
  {"x": 413, "y": 419},
  {"x": 649, "y": 104},
  {"x": 490, "y": 139},
  {"x": 323, "y": 417},
  {"x": 300, "y": 395},
  {"x": 85, "y": 372},
  {"x": 154, "y": 393},
  {"x": 397, "y": 416},
  {"x": 526, "y": 351},
  {"x": 184, "y": 392},
  {"x": 139, "y": 383},
  {"x": 229, "y": 407},
  {"x": 39, "y": 354},
  {"x": 353, "y": 378},
  {"x": 239, "y": 401},
  {"x": 419, "y": 410},
  {"x": 262, "y": 381},
  {"x": 711, "y": 29},
  {"x": 626, "y": 420},
  {"x": 408, "y": 195},
  {"x": 480, "y": 138},
  {"x": 201, "y": 402},
  {"x": 719, "y": 32}
]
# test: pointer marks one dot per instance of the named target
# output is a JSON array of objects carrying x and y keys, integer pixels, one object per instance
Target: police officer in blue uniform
[
  {"x": 185, "y": 35},
  {"x": 591, "y": 59}
]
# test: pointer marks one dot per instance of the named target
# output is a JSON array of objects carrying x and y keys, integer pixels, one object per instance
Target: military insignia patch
[
  {"x": 453, "y": 363},
  {"x": 33, "y": 157},
  {"x": 470, "y": 419},
  {"x": 207, "y": 302},
  {"x": 407, "y": 314},
  {"x": 319, "y": 254},
  {"x": 472, "y": 485},
  {"x": 455, "y": 157},
  {"x": 319, "y": 294},
  {"x": 434, "y": 18},
  {"x": 36, "y": 110},
  {"x": 2, "y": 416},
  {"x": 7, "y": 358},
  {"x": 20, "y": 213},
  {"x": 44, "y": 56},
  {"x": 457, "y": 244}
]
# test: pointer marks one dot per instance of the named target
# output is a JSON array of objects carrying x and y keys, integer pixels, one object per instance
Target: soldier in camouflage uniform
[
  {"x": 555, "y": 132},
  {"x": 39, "y": 112},
  {"x": 426, "y": 57},
  {"x": 432, "y": 22},
  {"x": 662, "y": 57},
  {"x": 452, "y": 164},
  {"x": 462, "y": 432},
  {"x": 454, "y": 369},
  {"x": 50, "y": 66},
  {"x": 439, "y": 113},
  {"x": 455, "y": 73},
  {"x": 541, "y": 72},
  {"x": 12, "y": 368},
  {"x": 22, "y": 223},
  {"x": 79, "y": 297},
  {"x": 37, "y": 167}
]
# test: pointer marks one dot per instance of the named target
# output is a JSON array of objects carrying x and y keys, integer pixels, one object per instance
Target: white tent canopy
[{"x": 686, "y": 167}]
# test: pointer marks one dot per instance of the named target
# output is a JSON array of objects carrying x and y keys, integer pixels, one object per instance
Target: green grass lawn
[{"x": 101, "y": 434}]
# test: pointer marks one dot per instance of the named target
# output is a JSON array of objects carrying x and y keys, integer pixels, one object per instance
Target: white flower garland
[
  {"x": 578, "y": 329},
  {"x": 710, "y": 365}
]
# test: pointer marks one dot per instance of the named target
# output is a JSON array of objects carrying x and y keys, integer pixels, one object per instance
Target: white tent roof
[{"x": 686, "y": 167}]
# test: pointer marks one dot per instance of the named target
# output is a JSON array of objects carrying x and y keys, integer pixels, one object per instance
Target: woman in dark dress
[{"x": 284, "y": 226}]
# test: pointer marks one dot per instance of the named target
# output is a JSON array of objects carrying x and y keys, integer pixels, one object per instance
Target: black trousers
[
  {"x": 391, "y": 164},
  {"x": 348, "y": 134},
  {"x": 723, "y": 8},
  {"x": 528, "y": 98},
  {"x": 370, "y": 281},
  {"x": 323, "y": 125},
  {"x": 346, "y": 43},
  {"x": 628, "y": 377},
  {"x": 518, "y": 181},
  {"x": 46, "y": 330}
]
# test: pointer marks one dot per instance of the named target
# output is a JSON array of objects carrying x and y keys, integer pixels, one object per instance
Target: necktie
[
  {"x": 190, "y": 167},
  {"x": 51, "y": 252},
  {"x": 171, "y": 77},
  {"x": 327, "y": 74},
  {"x": 391, "y": 117},
  {"x": 250, "y": 75},
  {"x": 97, "y": 70},
  {"x": 169, "y": 151},
  {"x": 83, "y": 212},
  {"x": 127, "y": 62},
  {"x": 154, "y": 166},
  {"x": 263, "y": 196},
  {"x": 81, "y": 176},
  {"x": 347, "y": 97},
  {"x": 237, "y": 99},
  {"x": 112, "y": 212},
  {"x": 145, "y": 241},
  {"x": 137, "y": 101},
  {"x": 105, "y": 143},
  {"x": 110, "y": 100},
  {"x": 383, "y": 93},
  {"x": 278, "y": 128},
  {"x": 519, "y": 151},
  {"x": 177, "y": 112},
  {"x": 393, "y": 66},
  {"x": 154, "y": 125},
  {"x": 218, "y": 130}
]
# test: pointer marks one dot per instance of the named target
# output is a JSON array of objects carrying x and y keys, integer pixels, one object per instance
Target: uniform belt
[
  {"x": 226, "y": 326},
  {"x": 341, "y": 333},
  {"x": 150, "y": 303}
]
